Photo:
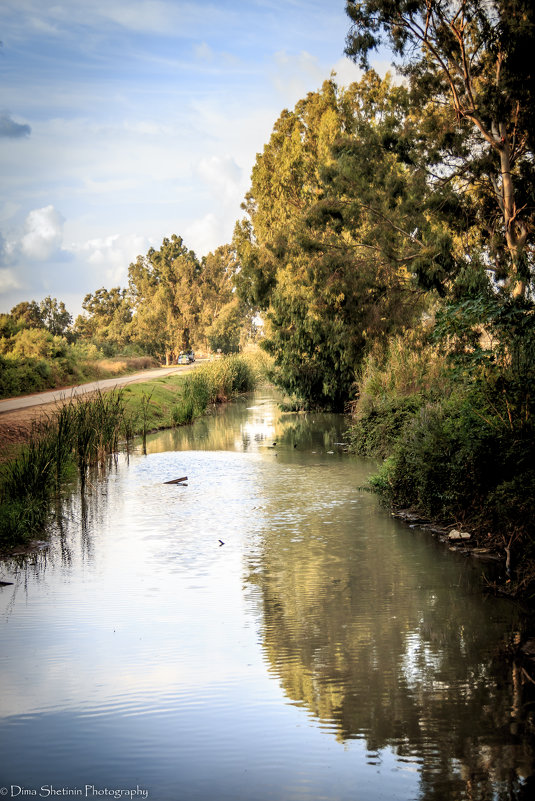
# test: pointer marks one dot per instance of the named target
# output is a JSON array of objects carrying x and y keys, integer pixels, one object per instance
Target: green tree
[
  {"x": 470, "y": 63},
  {"x": 108, "y": 317},
  {"x": 35, "y": 343},
  {"x": 285, "y": 182},
  {"x": 217, "y": 308},
  {"x": 330, "y": 241},
  {"x": 27, "y": 315},
  {"x": 225, "y": 331},
  {"x": 55, "y": 316},
  {"x": 164, "y": 289}
]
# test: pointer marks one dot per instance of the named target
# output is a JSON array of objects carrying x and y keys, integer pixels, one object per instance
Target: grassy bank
[
  {"x": 459, "y": 447},
  {"x": 24, "y": 375},
  {"x": 85, "y": 432}
]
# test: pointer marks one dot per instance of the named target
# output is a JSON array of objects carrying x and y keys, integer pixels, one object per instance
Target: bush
[
  {"x": 394, "y": 384},
  {"x": 219, "y": 381},
  {"x": 461, "y": 460},
  {"x": 37, "y": 343},
  {"x": 19, "y": 376}
]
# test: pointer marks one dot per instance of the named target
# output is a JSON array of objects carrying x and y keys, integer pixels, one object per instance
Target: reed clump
[
  {"x": 215, "y": 382},
  {"x": 78, "y": 435}
]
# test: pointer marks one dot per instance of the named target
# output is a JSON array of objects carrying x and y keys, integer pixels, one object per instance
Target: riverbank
[
  {"x": 17, "y": 425},
  {"x": 48, "y": 447},
  {"x": 320, "y": 613}
]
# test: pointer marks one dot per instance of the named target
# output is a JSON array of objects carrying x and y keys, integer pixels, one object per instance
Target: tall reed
[
  {"x": 77, "y": 435},
  {"x": 216, "y": 382}
]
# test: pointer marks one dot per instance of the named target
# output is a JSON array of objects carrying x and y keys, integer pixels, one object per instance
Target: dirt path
[{"x": 17, "y": 415}]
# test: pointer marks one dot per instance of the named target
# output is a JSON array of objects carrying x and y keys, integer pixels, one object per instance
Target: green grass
[
  {"x": 164, "y": 393},
  {"x": 85, "y": 432}
]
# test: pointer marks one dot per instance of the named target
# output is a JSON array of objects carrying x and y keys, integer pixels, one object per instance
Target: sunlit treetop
[{"x": 473, "y": 57}]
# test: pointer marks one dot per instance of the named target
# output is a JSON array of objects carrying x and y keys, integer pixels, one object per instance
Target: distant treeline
[{"x": 174, "y": 302}]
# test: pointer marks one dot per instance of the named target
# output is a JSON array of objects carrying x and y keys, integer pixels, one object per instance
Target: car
[
  {"x": 183, "y": 358},
  {"x": 190, "y": 355}
]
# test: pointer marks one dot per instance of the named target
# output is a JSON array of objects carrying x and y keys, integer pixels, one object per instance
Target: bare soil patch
[{"x": 16, "y": 426}]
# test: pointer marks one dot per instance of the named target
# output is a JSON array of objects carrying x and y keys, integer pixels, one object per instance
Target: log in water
[{"x": 327, "y": 651}]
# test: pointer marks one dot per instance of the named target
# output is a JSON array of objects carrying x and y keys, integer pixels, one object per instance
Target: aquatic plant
[{"x": 79, "y": 434}]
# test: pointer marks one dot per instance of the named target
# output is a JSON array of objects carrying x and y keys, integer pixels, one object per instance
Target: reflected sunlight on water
[{"x": 323, "y": 651}]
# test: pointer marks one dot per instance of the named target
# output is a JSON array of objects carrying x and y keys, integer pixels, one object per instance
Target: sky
[{"x": 126, "y": 121}]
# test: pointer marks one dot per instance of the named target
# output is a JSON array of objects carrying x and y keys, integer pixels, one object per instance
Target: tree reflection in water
[
  {"x": 385, "y": 637},
  {"x": 373, "y": 628}
]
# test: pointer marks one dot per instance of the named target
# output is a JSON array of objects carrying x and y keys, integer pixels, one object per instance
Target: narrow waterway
[{"x": 266, "y": 633}]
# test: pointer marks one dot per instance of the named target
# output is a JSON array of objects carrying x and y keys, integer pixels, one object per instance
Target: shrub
[
  {"x": 457, "y": 460},
  {"x": 219, "y": 381},
  {"x": 394, "y": 384},
  {"x": 36, "y": 343}
]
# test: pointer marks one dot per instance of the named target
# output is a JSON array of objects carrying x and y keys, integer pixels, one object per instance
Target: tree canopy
[
  {"x": 328, "y": 248},
  {"x": 469, "y": 62}
]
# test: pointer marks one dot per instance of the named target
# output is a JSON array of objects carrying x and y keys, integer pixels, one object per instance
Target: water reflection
[
  {"x": 322, "y": 652},
  {"x": 256, "y": 425},
  {"x": 383, "y": 636}
]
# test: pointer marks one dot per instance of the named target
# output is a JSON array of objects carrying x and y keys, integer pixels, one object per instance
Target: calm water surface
[{"x": 324, "y": 651}]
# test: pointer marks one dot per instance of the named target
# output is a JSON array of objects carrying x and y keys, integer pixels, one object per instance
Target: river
[{"x": 266, "y": 633}]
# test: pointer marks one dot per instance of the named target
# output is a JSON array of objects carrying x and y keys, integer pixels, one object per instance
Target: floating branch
[{"x": 176, "y": 480}]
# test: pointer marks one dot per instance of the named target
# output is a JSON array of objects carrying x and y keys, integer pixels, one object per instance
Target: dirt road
[{"x": 18, "y": 414}]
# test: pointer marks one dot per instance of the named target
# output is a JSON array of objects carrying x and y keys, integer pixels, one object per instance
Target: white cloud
[
  {"x": 8, "y": 281},
  {"x": 295, "y": 75},
  {"x": 43, "y": 234},
  {"x": 207, "y": 233},
  {"x": 204, "y": 52},
  {"x": 110, "y": 256},
  {"x": 347, "y": 72},
  {"x": 39, "y": 239},
  {"x": 222, "y": 174}
]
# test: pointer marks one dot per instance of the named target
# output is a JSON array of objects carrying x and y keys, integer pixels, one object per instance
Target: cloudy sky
[{"x": 125, "y": 121}]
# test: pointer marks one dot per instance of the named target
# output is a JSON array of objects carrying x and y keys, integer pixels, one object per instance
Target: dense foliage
[
  {"x": 461, "y": 441},
  {"x": 328, "y": 246}
]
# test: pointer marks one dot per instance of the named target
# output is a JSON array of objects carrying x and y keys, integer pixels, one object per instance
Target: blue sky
[{"x": 125, "y": 121}]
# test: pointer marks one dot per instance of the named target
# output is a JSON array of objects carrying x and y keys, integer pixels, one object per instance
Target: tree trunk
[{"x": 515, "y": 231}]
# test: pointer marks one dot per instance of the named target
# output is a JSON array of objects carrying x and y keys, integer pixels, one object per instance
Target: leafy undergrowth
[{"x": 459, "y": 446}]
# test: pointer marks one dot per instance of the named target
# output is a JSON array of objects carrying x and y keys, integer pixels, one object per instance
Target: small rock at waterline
[{"x": 458, "y": 535}]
